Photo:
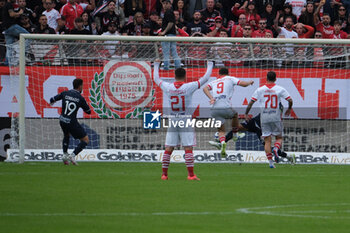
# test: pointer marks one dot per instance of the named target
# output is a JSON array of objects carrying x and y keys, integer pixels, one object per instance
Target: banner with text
[
  {"x": 126, "y": 89},
  {"x": 55, "y": 155}
]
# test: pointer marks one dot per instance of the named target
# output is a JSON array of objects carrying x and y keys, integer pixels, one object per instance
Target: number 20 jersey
[{"x": 269, "y": 96}]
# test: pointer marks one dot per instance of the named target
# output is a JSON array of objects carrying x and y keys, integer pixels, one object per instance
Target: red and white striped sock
[
  {"x": 189, "y": 160},
  {"x": 269, "y": 156},
  {"x": 277, "y": 145},
  {"x": 222, "y": 139},
  {"x": 166, "y": 162}
]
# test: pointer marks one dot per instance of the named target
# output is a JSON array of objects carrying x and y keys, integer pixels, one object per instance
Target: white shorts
[
  {"x": 180, "y": 137},
  {"x": 222, "y": 114},
  {"x": 272, "y": 129}
]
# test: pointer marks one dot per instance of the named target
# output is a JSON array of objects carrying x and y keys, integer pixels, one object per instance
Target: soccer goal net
[{"x": 118, "y": 86}]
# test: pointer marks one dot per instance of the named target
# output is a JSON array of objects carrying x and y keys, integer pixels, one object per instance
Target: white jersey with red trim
[
  {"x": 180, "y": 96},
  {"x": 180, "y": 93},
  {"x": 222, "y": 90},
  {"x": 269, "y": 96}
]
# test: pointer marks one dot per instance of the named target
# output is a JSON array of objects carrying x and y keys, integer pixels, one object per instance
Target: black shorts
[
  {"x": 253, "y": 126},
  {"x": 74, "y": 129}
]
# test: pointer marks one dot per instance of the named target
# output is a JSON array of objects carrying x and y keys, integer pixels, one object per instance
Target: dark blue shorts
[
  {"x": 74, "y": 129},
  {"x": 253, "y": 125}
]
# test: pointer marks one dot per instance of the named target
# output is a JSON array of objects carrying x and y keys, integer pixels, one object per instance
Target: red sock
[
  {"x": 166, "y": 162},
  {"x": 222, "y": 139},
  {"x": 189, "y": 160},
  {"x": 277, "y": 145},
  {"x": 269, "y": 156}
]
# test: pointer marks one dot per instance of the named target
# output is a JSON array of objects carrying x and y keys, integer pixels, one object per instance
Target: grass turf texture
[{"x": 131, "y": 197}]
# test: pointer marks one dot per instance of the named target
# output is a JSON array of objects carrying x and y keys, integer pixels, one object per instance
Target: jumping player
[
  {"x": 222, "y": 90},
  {"x": 180, "y": 99},
  {"x": 254, "y": 126},
  {"x": 72, "y": 100},
  {"x": 269, "y": 97}
]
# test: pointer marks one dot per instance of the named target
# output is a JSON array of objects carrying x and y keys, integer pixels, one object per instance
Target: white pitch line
[
  {"x": 265, "y": 211},
  {"x": 115, "y": 214}
]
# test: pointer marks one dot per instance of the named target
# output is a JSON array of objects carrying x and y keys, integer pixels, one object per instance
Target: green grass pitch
[{"x": 131, "y": 198}]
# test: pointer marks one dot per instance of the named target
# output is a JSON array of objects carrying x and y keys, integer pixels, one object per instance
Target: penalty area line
[{"x": 113, "y": 214}]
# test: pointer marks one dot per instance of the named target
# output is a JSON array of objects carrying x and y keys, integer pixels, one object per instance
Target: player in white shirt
[
  {"x": 220, "y": 97},
  {"x": 52, "y": 14},
  {"x": 180, "y": 100},
  {"x": 269, "y": 96}
]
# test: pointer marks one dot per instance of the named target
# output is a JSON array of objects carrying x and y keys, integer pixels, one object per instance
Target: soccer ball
[{"x": 216, "y": 137}]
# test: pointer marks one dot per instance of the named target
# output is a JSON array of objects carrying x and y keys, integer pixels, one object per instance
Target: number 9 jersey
[
  {"x": 269, "y": 96},
  {"x": 222, "y": 90}
]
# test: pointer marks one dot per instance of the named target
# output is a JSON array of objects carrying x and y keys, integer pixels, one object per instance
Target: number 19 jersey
[
  {"x": 269, "y": 96},
  {"x": 72, "y": 100}
]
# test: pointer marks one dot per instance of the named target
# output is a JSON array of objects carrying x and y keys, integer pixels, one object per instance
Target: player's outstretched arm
[
  {"x": 245, "y": 84},
  {"x": 55, "y": 98},
  {"x": 290, "y": 105},
  {"x": 207, "y": 74},
  {"x": 156, "y": 73},
  {"x": 247, "y": 117}
]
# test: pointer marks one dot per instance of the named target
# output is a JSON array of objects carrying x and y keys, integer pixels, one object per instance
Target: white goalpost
[{"x": 118, "y": 86}]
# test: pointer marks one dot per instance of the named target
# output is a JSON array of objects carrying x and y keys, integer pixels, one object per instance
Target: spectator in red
[
  {"x": 247, "y": 31},
  {"x": 237, "y": 30},
  {"x": 304, "y": 31},
  {"x": 209, "y": 13},
  {"x": 338, "y": 33},
  {"x": 215, "y": 29},
  {"x": 43, "y": 27},
  {"x": 150, "y": 7},
  {"x": 324, "y": 25},
  {"x": 71, "y": 10},
  {"x": 250, "y": 12},
  {"x": 261, "y": 32}
]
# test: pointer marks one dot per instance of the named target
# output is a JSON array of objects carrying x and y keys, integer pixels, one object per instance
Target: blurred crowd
[{"x": 206, "y": 18}]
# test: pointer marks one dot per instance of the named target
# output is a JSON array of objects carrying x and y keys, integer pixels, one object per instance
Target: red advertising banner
[{"x": 122, "y": 89}]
